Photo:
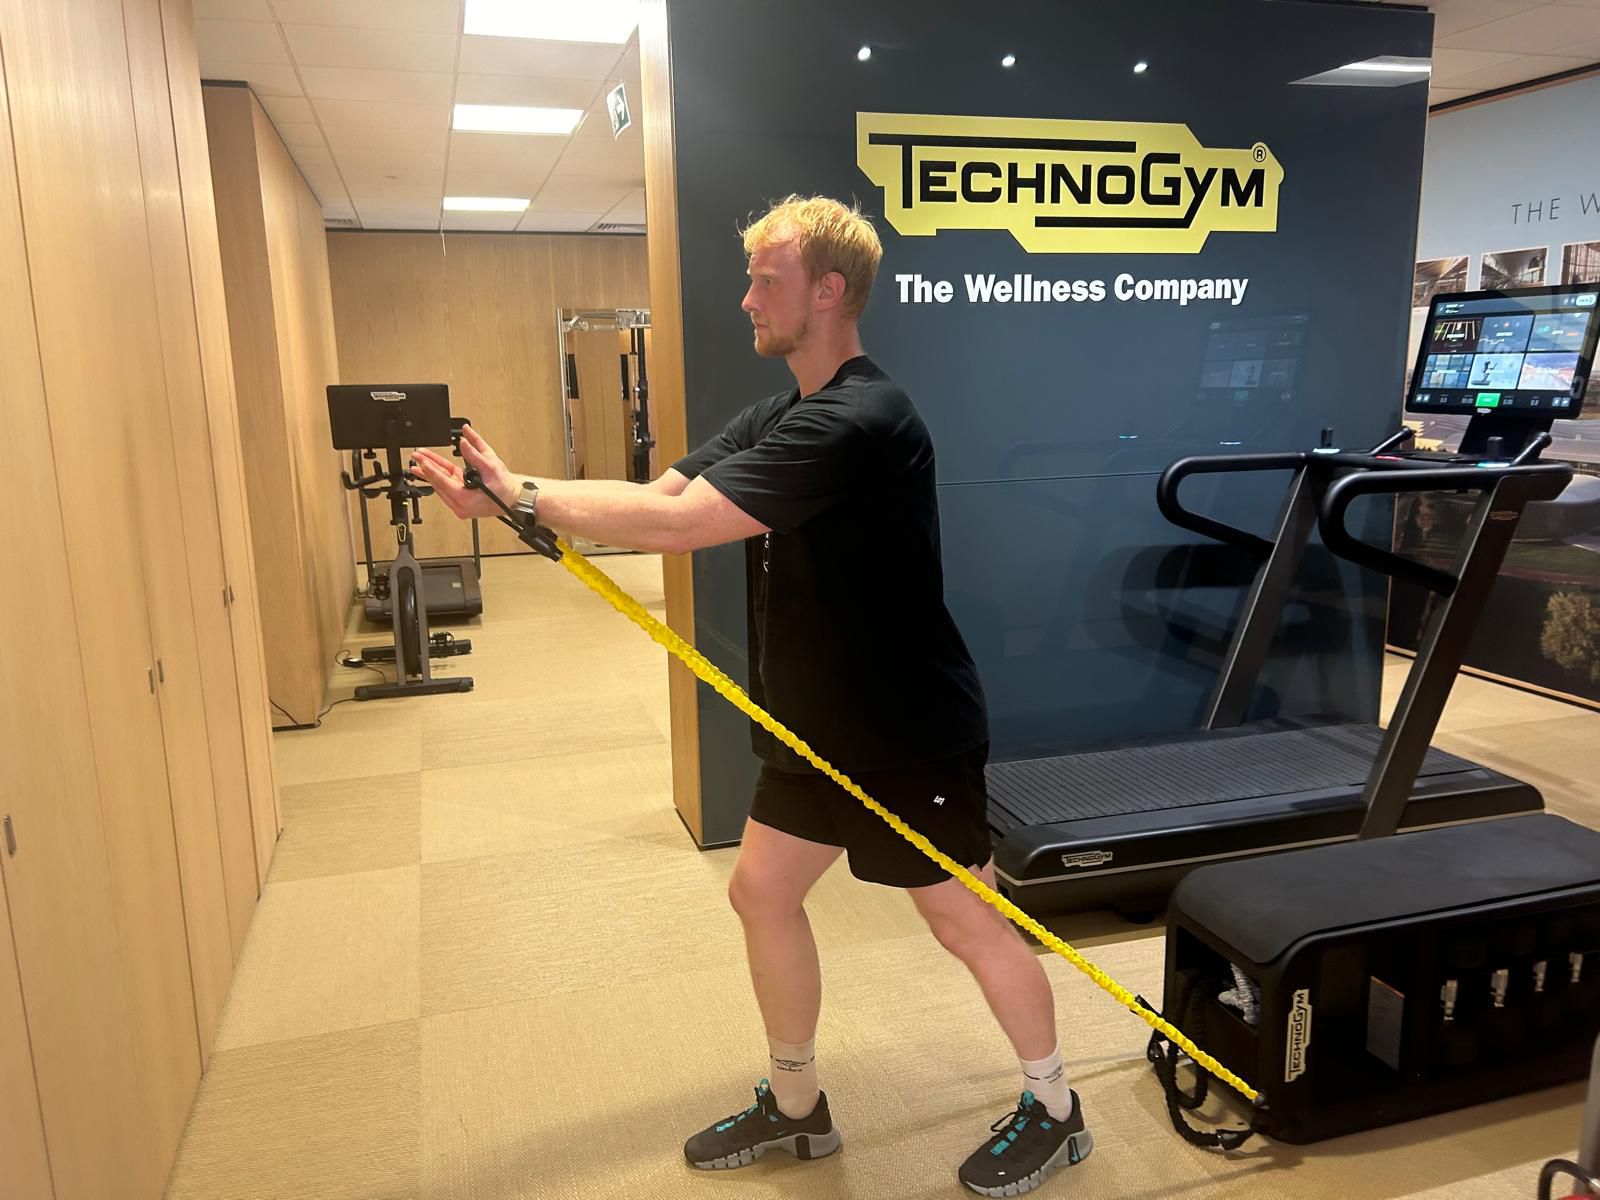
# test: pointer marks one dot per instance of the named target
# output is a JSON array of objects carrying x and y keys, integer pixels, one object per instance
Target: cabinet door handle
[
  {"x": 161, "y": 672},
  {"x": 150, "y": 674},
  {"x": 11, "y": 839}
]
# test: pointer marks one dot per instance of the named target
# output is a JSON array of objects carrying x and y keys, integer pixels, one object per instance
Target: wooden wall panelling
[
  {"x": 478, "y": 312},
  {"x": 667, "y": 382},
  {"x": 296, "y": 670},
  {"x": 489, "y": 320},
  {"x": 247, "y": 850},
  {"x": 61, "y": 886},
  {"x": 82, "y": 201},
  {"x": 27, "y": 1161},
  {"x": 389, "y": 315},
  {"x": 184, "y": 547},
  {"x": 297, "y": 251}
]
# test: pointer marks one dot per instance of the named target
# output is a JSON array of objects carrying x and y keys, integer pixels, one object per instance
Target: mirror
[
  {"x": 605, "y": 395},
  {"x": 605, "y": 355}
]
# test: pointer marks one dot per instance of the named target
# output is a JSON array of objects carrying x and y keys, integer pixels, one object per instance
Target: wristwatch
[{"x": 528, "y": 502}]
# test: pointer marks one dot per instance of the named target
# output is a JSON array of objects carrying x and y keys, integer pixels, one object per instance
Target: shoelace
[
  {"x": 749, "y": 1112},
  {"x": 1016, "y": 1124}
]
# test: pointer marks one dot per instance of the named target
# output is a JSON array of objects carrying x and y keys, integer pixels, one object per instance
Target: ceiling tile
[
  {"x": 553, "y": 222},
  {"x": 500, "y": 147},
  {"x": 377, "y": 87},
  {"x": 397, "y": 216},
  {"x": 371, "y": 49},
  {"x": 581, "y": 160},
  {"x": 399, "y": 183},
  {"x": 379, "y": 139},
  {"x": 1589, "y": 50},
  {"x": 1449, "y": 63},
  {"x": 265, "y": 79},
  {"x": 512, "y": 89},
  {"x": 296, "y": 135},
  {"x": 336, "y": 212},
  {"x": 495, "y": 222},
  {"x": 539, "y": 59},
  {"x": 630, "y": 209},
  {"x": 233, "y": 10},
  {"x": 239, "y": 42},
  {"x": 380, "y": 114},
  {"x": 288, "y": 110},
  {"x": 428, "y": 16},
  {"x": 1533, "y": 66},
  {"x": 581, "y": 195},
  {"x": 466, "y": 179},
  {"x": 312, "y": 156},
  {"x": 326, "y": 184},
  {"x": 1452, "y": 16},
  {"x": 1541, "y": 30}
]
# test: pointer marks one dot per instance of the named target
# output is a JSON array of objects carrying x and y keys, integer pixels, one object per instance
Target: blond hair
[{"x": 829, "y": 237}]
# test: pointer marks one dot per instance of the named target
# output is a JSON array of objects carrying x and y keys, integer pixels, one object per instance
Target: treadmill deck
[{"x": 1196, "y": 770}]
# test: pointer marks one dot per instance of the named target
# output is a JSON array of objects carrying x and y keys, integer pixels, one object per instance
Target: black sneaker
[
  {"x": 1028, "y": 1145},
  {"x": 745, "y": 1137}
]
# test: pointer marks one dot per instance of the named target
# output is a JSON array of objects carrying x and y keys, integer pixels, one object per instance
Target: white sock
[
  {"x": 1047, "y": 1080},
  {"x": 793, "y": 1076}
]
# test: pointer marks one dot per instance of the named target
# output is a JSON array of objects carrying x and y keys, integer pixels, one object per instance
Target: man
[{"x": 831, "y": 485}]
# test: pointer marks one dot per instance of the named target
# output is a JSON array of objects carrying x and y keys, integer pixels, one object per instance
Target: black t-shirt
[{"x": 851, "y": 645}]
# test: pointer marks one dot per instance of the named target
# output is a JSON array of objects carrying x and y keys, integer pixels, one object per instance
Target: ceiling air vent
[
  {"x": 341, "y": 223},
  {"x": 618, "y": 227}
]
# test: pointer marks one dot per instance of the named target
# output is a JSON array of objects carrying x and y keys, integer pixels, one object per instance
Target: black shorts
[{"x": 945, "y": 801}]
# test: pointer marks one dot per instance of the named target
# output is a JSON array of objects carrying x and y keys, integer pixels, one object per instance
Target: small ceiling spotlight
[
  {"x": 1009, "y": 60},
  {"x": 1140, "y": 67},
  {"x": 864, "y": 53}
]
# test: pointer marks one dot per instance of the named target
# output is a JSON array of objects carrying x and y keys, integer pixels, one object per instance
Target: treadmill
[
  {"x": 1119, "y": 827},
  {"x": 450, "y": 586}
]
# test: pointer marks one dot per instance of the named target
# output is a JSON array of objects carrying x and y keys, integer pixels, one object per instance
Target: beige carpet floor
[{"x": 489, "y": 963}]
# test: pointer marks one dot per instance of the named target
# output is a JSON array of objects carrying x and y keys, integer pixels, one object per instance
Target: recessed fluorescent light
[
  {"x": 508, "y": 118},
  {"x": 498, "y": 204},
  {"x": 1384, "y": 70},
  {"x": 585, "y": 21}
]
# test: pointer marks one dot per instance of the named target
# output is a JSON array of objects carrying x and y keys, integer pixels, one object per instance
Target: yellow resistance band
[{"x": 708, "y": 671}]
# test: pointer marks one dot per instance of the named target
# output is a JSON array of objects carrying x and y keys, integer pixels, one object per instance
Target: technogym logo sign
[{"x": 1066, "y": 187}]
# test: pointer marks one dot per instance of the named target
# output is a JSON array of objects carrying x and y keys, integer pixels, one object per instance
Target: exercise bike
[{"x": 360, "y": 418}]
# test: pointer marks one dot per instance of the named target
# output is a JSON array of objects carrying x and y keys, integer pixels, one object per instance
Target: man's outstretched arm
[{"x": 669, "y": 516}]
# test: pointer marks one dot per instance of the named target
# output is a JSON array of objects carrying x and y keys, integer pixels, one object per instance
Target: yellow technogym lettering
[
  {"x": 605, "y": 587},
  {"x": 1066, "y": 187}
]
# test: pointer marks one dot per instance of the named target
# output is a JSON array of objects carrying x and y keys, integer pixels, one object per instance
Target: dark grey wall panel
[{"x": 1089, "y": 616}]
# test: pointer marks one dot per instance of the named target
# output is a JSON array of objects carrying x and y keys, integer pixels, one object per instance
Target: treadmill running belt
[{"x": 1198, "y": 771}]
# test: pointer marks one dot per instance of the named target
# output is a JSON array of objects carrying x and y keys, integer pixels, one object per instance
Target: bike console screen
[{"x": 1527, "y": 351}]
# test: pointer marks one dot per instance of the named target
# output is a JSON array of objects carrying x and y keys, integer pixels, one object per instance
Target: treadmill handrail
[
  {"x": 1212, "y": 464},
  {"x": 1537, "y": 481}
]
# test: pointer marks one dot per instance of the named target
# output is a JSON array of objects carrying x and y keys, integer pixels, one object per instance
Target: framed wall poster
[
  {"x": 1437, "y": 275},
  {"x": 1580, "y": 262},
  {"x": 1513, "y": 268}
]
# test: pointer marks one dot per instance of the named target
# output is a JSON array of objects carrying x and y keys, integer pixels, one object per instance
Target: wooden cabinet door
[
  {"x": 88, "y": 270},
  {"x": 227, "y": 455},
  {"x": 241, "y": 725},
  {"x": 27, "y": 1165},
  {"x": 59, "y": 883},
  {"x": 182, "y": 550}
]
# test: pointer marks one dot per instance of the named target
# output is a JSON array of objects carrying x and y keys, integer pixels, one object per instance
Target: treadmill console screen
[{"x": 1527, "y": 351}]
